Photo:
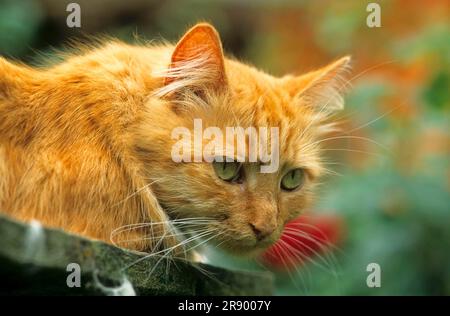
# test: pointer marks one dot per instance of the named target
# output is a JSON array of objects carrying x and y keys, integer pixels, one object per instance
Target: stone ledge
[{"x": 33, "y": 261}]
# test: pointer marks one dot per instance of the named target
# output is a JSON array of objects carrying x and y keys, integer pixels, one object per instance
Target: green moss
[{"x": 34, "y": 261}]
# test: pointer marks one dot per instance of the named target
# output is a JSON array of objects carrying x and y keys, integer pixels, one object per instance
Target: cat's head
[{"x": 239, "y": 206}]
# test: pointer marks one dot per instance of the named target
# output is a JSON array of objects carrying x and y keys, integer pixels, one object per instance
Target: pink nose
[{"x": 262, "y": 231}]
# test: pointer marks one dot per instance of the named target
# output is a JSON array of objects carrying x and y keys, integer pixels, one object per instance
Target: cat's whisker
[
  {"x": 346, "y": 85},
  {"x": 173, "y": 221},
  {"x": 346, "y": 137},
  {"x": 205, "y": 241},
  {"x": 123, "y": 229},
  {"x": 203, "y": 271},
  {"x": 323, "y": 159},
  {"x": 353, "y": 151},
  {"x": 169, "y": 250},
  {"x": 327, "y": 267},
  {"x": 328, "y": 258},
  {"x": 180, "y": 223},
  {"x": 135, "y": 193},
  {"x": 319, "y": 116},
  {"x": 332, "y": 163},
  {"x": 301, "y": 258},
  {"x": 324, "y": 245},
  {"x": 363, "y": 72},
  {"x": 159, "y": 237},
  {"x": 282, "y": 252},
  {"x": 375, "y": 119},
  {"x": 185, "y": 242},
  {"x": 322, "y": 241},
  {"x": 347, "y": 133},
  {"x": 331, "y": 172}
]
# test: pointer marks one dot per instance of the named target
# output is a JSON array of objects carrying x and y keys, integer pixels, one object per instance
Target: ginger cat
[{"x": 86, "y": 145}]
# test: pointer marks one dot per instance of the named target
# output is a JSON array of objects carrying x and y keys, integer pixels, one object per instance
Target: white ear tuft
[
  {"x": 326, "y": 89},
  {"x": 197, "y": 62}
]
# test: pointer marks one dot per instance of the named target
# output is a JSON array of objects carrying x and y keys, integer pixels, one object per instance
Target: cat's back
[{"x": 62, "y": 128}]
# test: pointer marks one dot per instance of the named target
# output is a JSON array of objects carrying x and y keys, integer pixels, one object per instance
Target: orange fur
[{"x": 85, "y": 145}]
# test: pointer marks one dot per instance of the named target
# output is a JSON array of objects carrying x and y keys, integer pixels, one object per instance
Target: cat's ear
[
  {"x": 197, "y": 61},
  {"x": 322, "y": 89}
]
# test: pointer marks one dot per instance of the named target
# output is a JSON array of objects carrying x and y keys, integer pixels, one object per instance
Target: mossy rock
[{"x": 34, "y": 261}]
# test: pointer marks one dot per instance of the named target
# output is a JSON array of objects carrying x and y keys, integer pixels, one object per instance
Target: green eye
[
  {"x": 293, "y": 179},
  {"x": 227, "y": 171}
]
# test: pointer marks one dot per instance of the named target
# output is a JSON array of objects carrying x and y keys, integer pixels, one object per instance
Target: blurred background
[{"x": 389, "y": 201}]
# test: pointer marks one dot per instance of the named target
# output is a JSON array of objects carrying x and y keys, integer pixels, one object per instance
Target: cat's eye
[
  {"x": 293, "y": 179},
  {"x": 228, "y": 171}
]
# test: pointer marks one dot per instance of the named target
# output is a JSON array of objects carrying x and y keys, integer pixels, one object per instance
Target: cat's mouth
[
  {"x": 199, "y": 237},
  {"x": 202, "y": 231}
]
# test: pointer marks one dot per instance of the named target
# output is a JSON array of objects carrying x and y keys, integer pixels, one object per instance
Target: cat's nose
[{"x": 262, "y": 230}]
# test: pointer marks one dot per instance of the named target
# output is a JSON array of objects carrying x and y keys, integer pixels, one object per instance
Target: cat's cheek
[
  {"x": 293, "y": 214},
  {"x": 292, "y": 208}
]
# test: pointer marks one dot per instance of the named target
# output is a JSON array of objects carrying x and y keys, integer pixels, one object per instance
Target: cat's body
[
  {"x": 63, "y": 156},
  {"x": 86, "y": 145}
]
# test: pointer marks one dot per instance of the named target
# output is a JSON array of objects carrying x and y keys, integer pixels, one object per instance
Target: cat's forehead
[
  {"x": 270, "y": 110},
  {"x": 268, "y": 104},
  {"x": 264, "y": 91},
  {"x": 259, "y": 100}
]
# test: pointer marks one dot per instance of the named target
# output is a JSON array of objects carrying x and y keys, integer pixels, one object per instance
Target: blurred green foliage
[{"x": 18, "y": 28}]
